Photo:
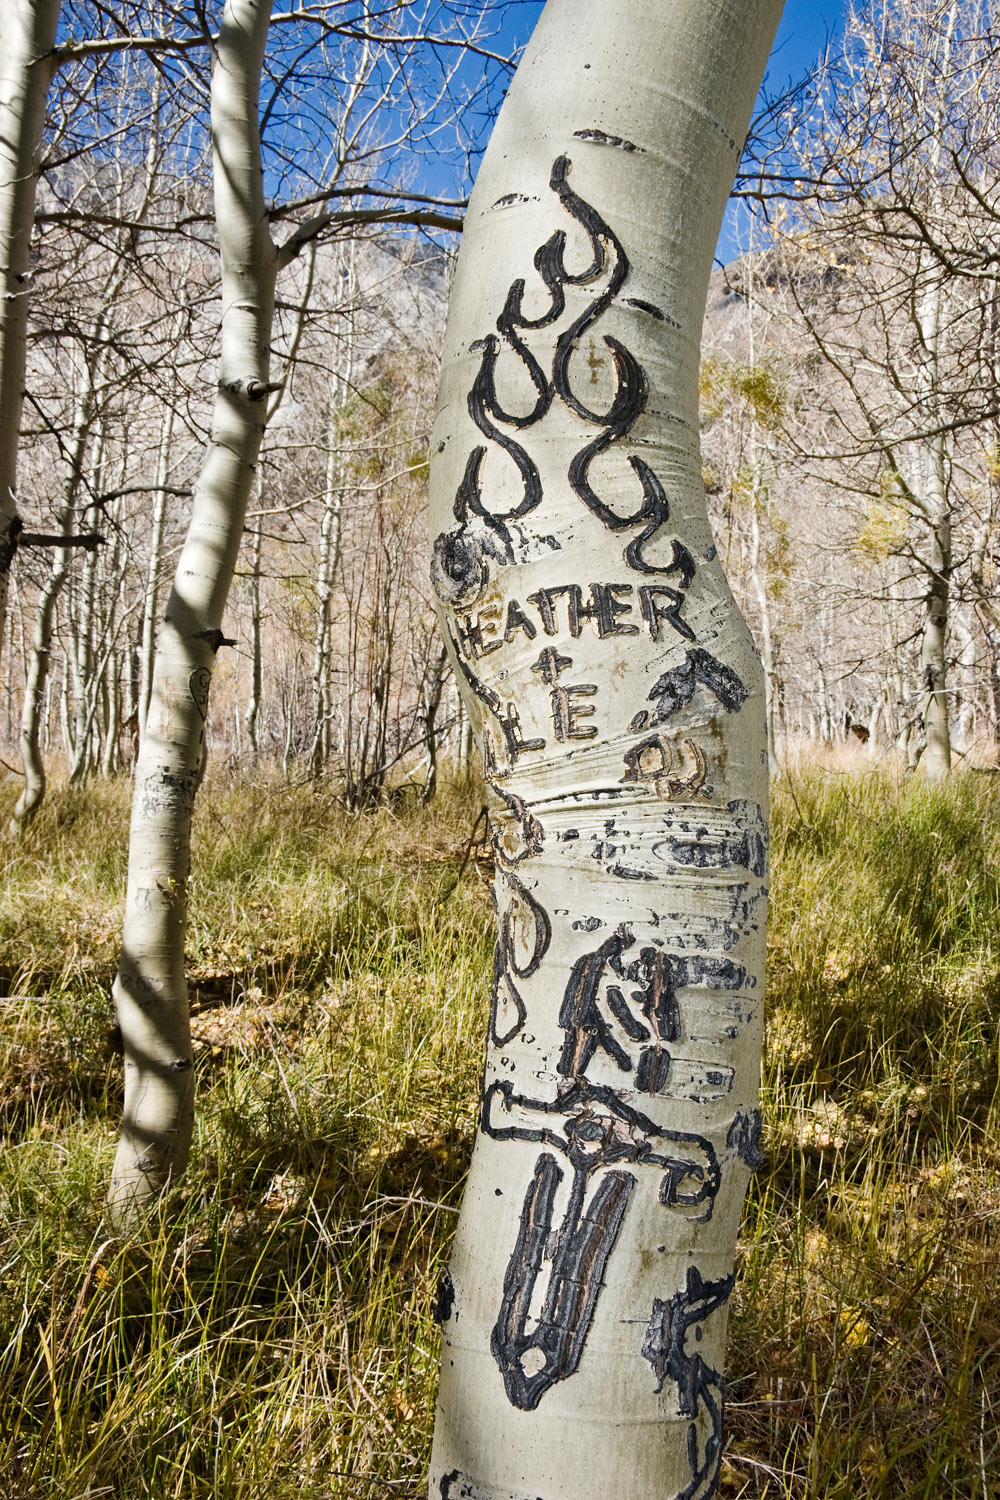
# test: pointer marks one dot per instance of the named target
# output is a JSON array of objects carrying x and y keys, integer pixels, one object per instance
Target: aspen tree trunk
[
  {"x": 86, "y": 684},
  {"x": 338, "y": 392},
  {"x": 36, "y": 678},
  {"x": 150, "y": 990},
  {"x": 619, "y": 702},
  {"x": 936, "y": 513},
  {"x": 256, "y": 646},
  {"x": 112, "y": 714},
  {"x": 930, "y": 315},
  {"x": 33, "y": 704},
  {"x": 27, "y": 65},
  {"x": 936, "y": 761},
  {"x": 148, "y": 648},
  {"x": 759, "y": 584},
  {"x": 464, "y": 736}
]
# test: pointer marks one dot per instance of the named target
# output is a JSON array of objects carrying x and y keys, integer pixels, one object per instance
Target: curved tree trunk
[
  {"x": 620, "y": 705},
  {"x": 27, "y": 65},
  {"x": 150, "y": 990}
]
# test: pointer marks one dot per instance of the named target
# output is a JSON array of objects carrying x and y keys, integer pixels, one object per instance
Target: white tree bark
[
  {"x": 620, "y": 705},
  {"x": 256, "y": 633},
  {"x": 150, "y": 990},
  {"x": 338, "y": 393},
  {"x": 148, "y": 648},
  {"x": 36, "y": 679},
  {"x": 27, "y": 65},
  {"x": 936, "y": 762}
]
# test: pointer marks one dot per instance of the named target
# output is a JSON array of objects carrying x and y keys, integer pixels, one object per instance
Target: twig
[{"x": 484, "y": 812}]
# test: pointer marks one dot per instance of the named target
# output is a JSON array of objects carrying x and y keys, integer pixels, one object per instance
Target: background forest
[
  {"x": 268, "y": 1330},
  {"x": 850, "y": 423}
]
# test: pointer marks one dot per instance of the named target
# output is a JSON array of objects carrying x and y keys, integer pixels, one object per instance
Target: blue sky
[
  {"x": 805, "y": 27},
  {"x": 802, "y": 36}
]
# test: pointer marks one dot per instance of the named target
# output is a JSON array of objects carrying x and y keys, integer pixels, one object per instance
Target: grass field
[{"x": 269, "y": 1335}]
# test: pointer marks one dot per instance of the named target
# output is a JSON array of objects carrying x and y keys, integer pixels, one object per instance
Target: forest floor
[{"x": 268, "y": 1334}]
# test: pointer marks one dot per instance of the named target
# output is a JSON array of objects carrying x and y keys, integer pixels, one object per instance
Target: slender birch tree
[{"x": 619, "y": 704}]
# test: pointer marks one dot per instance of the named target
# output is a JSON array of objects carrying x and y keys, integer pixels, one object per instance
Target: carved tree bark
[
  {"x": 151, "y": 989},
  {"x": 27, "y": 65},
  {"x": 619, "y": 703}
]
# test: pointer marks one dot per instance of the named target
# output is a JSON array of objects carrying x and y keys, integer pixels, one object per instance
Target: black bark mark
[
  {"x": 528, "y": 835},
  {"x": 676, "y": 688},
  {"x": 652, "y": 763},
  {"x": 198, "y": 684},
  {"x": 444, "y": 1302},
  {"x": 602, "y": 138},
  {"x": 459, "y": 571},
  {"x": 593, "y": 1128},
  {"x": 744, "y": 1138},
  {"x": 508, "y": 1011},
  {"x": 522, "y": 906},
  {"x": 458, "y": 1486},
  {"x": 656, "y": 977},
  {"x": 507, "y": 1008},
  {"x": 746, "y": 846},
  {"x": 700, "y": 1389},
  {"x": 506, "y": 715},
  {"x": 456, "y": 572},
  {"x": 586, "y": 1238}
]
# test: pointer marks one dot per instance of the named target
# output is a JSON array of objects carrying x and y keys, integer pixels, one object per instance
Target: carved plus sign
[
  {"x": 594, "y": 363},
  {"x": 550, "y": 664}
]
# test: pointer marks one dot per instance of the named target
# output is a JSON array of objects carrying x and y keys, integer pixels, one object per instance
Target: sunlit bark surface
[
  {"x": 151, "y": 989},
  {"x": 619, "y": 703},
  {"x": 27, "y": 35}
]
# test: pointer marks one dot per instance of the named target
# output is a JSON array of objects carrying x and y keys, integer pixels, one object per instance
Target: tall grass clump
[
  {"x": 866, "y": 1356},
  {"x": 268, "y": 1331}
]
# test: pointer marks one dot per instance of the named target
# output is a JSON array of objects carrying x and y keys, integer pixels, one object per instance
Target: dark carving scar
[
  {"x": 444, "y": 1302},
  {"x": 648, "y": 307},
  {"x": 744, "y": 1138},
  {"x": 628, "y": 404},
  {"x": 509, "y": 198},
  {"x": 676, "y": 688},
  {"x": 700, "y": 1389},
  {"x": 602, "y": 138},
  {"x": 624, "y": 873},
  {"x": 584, "y": 1243},
  {"x": 458, "y": 1486},
  {"x": 215, "y": 638}
]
